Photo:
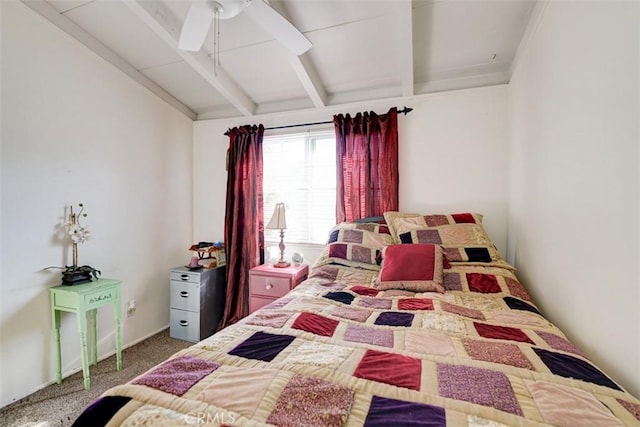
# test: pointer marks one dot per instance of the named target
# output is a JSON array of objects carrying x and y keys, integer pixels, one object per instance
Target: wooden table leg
[
  {"x": 82, "y": 328},
  {"x": 56, "y": 329},
  {"x": 94, "y": 337},
  {"x": 117, "y": 311}
]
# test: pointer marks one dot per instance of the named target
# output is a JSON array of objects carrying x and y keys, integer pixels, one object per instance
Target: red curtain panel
[
  {"x": 244, "y": 224},
  {"x": 367, "y": 164}
]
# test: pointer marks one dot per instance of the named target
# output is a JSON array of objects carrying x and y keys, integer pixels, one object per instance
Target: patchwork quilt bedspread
[{"x": 336, "y": 351}]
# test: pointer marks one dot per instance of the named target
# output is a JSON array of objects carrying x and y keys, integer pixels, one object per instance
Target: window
[{"x": 300, "y": 170}]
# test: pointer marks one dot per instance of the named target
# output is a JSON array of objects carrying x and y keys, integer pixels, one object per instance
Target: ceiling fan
[{"x": 203, "y": 12}]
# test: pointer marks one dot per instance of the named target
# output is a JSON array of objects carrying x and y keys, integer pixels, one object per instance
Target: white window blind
[{"x": 300, "y": 170}]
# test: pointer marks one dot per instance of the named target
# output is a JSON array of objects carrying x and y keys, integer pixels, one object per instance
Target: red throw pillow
[{"x": 415, "y": 267}]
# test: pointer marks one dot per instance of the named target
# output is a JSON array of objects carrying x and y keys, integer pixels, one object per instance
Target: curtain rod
[{"x": 406, "y": 110}]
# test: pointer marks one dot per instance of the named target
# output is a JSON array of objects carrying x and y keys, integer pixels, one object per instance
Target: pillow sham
[
  {"x": 397, "y": 220},
  {"x": 416, "y": 268},
  {"x": 340, "y": 252},
  {"x": 456, "y": 234},
  {"x": 462, "y": 236},
  {"x": 367, "y": 234},
  {"x": 355, "y": 245}
]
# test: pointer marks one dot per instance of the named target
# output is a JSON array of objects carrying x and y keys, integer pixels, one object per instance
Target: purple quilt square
[
  {"x": 178, "y": 375},
  {"x": 355, "y": 314},
  {"x": 428, "y": 236},
  {"x": 516, "y": 304},
  {"x": 385, "y": 412},
  {"x": 343, "y": 297},
  {"x": 361, "y": 253},
  {"x": 558, "y": 343},
  {"x": 262, "y": 346},
  {"x": 479, "y": 386},
  {"x": 394, "y": 318},
  {"x": 309, "y": 401},
  {"x": 369, "y": 335},
  {"x": 382, "y": 303},
  {"x": 100, "y": 411},
  {"x": 352, "y": 236},
  {"x": 452, "y": 282},
  {"x": 572, "y": 367},
  {"x": 332, "y": 285},
  {"x": 279, "y": 303}
]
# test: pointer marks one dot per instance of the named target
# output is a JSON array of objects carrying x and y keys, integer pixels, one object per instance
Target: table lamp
[{"x": 279, "y": 222}]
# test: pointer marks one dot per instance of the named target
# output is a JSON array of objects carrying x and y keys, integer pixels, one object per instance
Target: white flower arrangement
[{"x": 77, "y": 232}]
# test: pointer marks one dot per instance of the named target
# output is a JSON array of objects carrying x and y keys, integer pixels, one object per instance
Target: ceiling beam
[
  {"x": 309, "y": 78},
  {"x": 53, "y": 15},
  {"x": 162, "y": 22},
  {"x": 303, "y": 67},
  {"x": 403, "y": 10}
]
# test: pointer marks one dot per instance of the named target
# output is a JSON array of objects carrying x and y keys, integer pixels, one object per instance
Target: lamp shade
[{"x": 278, "y": 220}]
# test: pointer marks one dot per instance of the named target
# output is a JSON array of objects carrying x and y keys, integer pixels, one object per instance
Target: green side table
[{"x": 79, "y": 299}]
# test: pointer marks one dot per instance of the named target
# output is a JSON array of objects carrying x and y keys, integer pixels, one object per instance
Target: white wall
[
  {"x": 574, "y": 214},
  {"x": 74, "y": 129},
  {"x": 463, "y": 131}
]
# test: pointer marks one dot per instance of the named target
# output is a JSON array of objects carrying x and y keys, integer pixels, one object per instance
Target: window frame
[{"x": 310, "y": 139}]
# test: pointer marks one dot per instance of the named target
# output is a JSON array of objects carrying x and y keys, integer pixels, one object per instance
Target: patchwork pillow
[
  {"x": 402, "y": 220},
  {"x": 368, "y": 234},
  {"x": 415, "y": 268},
  {"x": 452, "y": 235},
  {"x": 460, "y": 242},
  {"x": 355, "y": 245},
  {"x": 462, "y": 236},
  {"x": 338, "y": 252}
]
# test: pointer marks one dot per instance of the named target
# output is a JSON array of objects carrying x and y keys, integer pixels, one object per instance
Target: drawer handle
[
  {"x": 184, "y": 276},
  {"x": 184, "y": 294},
  {"x": 269, "y": 286},
  {"x": 184, "y": 323}
]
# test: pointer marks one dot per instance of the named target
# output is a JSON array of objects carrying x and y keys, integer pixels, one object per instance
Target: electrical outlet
[{"x": 131, "y": 308}]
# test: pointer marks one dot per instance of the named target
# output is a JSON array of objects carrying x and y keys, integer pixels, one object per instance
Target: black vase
[{"x": 76, "y": 277}]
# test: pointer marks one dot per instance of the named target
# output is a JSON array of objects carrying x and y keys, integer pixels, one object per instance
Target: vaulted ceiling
[{"x": 361, "y": 50}]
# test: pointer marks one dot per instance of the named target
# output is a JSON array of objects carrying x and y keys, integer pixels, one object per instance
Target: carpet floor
[{"x": 60, "y": 404}]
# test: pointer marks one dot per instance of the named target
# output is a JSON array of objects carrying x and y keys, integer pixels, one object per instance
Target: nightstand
[
  {"x": 268, "y": 283},
  {"x": 81, "y": 299},
  {"x": 196, "y": 302}
]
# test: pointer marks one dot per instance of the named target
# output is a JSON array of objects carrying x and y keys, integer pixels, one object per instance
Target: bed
[{"x": 410, "y": 320}]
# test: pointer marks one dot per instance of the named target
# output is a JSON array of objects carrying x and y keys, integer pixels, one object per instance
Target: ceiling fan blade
[
  {"x": 276, "y": 25},
  {"x": 196, "y": 26}
]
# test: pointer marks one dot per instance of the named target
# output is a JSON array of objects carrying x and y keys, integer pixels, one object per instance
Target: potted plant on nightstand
[{"x": 75, "y": 274}]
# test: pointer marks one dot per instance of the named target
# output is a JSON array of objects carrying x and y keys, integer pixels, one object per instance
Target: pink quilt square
[
  {"x": 415, "y": 304},
  {"x": 479, "y": 386},
  {"x": 309, "y": 401},
  {"x": 462, "y": 311},
  {"x": 356, "y": 314},
  {"x": 390, "y": 368},
  {"x": 267, "y": 318},
  {"x": 178, "y": 375},
  {"x": 497, "y": 352}
]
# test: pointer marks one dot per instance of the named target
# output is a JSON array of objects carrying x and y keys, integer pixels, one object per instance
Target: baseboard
[{"x": 71, "y": 371}]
